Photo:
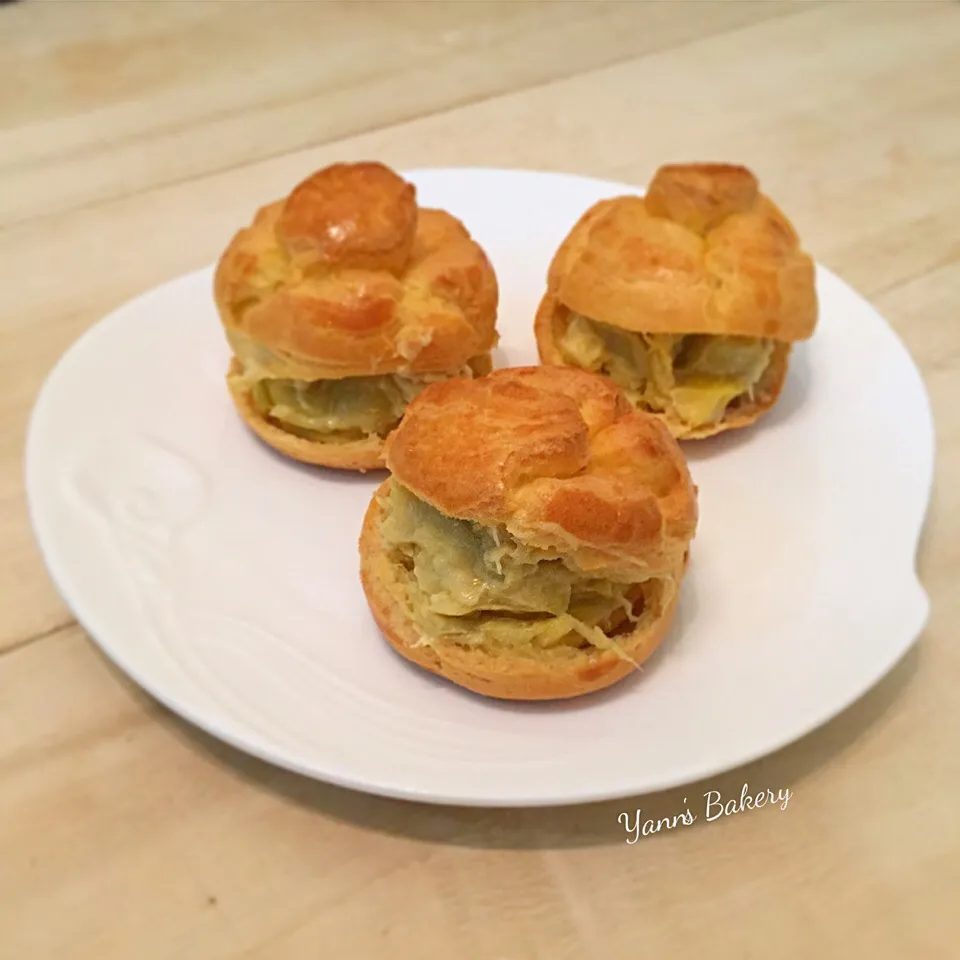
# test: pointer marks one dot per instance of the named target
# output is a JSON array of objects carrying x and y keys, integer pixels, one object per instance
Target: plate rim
[{"x": 914, "y": 592}]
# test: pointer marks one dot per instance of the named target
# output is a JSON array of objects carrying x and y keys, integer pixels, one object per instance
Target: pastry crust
[
  {"x": 348, "y": 277},
  {"x": 522, "y": 677},
  {"x": 559, "y": 459},
  {"x": 702, "y": 252}
]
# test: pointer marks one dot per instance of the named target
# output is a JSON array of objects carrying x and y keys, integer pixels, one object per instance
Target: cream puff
[
  {"x": 690, "y": 298},
  {"x": 532, "y": 539},
  {"x": 341, "y": 302}
]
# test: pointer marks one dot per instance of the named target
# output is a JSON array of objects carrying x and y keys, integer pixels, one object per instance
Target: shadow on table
[{"x": 570, "y": 826}]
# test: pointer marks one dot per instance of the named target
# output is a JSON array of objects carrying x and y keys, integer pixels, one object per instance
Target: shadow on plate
[
  {"x": 326, "y": 474},
  {"x": 941, "y": 490},
  {"x": 585, "y": 825},
  {"x": 795, "y": 391}
]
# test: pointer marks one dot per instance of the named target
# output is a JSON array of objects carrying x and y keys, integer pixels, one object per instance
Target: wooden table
[{"x": 134, "y": 137}]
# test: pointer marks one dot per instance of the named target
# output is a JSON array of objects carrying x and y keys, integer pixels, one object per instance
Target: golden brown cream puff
[
  {"x": 533, "y": 537},
  {"x": 341, "y": 302},
  {"x": 689, "y": 297}
]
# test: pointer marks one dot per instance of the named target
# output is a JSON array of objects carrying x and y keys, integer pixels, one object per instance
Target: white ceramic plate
[{"x": 223, "y": 579}]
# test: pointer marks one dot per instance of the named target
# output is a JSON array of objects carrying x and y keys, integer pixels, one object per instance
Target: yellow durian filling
[
  {"x": 477, "y": 586},
  {"x": 358, "y": 406},
  {"x": 342, "y": 410},
  {"x": 695, "y": 376}
]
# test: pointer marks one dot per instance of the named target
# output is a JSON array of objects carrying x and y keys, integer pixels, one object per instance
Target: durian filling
[
  {"x": 477, "y": 586},
  {"x": 352, "y": 408},
  {"x": 697, "y": 377}
]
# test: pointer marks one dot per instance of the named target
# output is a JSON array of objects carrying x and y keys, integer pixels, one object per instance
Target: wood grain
[
  {"x": 137, "y": 138},
  {"x": 869, "y": 180},
  {"x": 117, "y": 818},
  {"x": 212, "y": 85}
]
